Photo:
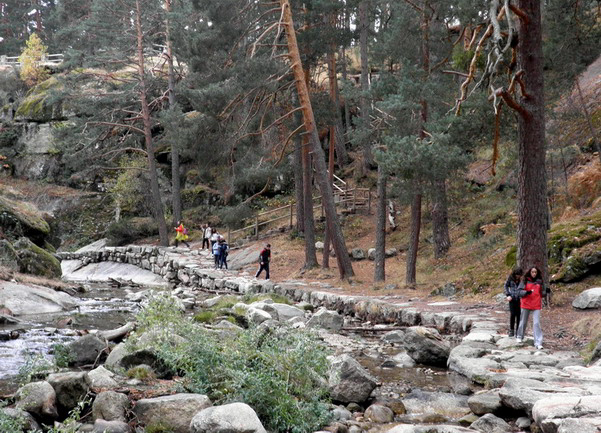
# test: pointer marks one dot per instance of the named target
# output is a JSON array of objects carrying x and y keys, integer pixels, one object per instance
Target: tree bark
[
  {"x": 416, "y": 218},
  {"x": 336, "y": 136},
  {"x": 344, "y": 263},
  {"x": 533, "y": 214},
  {"x": 298, "y": 179},
  {"x": 152, "y": 170},
  {"x": 176, "y": 195},
  {"x": 365, "y": 123},
  {"x": 440, "y": 219},
  {"x": 309, "y": 222},
  {"x": 380, "y": 259}
]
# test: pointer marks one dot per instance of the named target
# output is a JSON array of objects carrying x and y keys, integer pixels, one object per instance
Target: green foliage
[
  {"x": 11, "y": 425},
  {"x": 157, "y": 428},
  {"x": 279, "y": 373},
  {"x": 127, "y": 188},
  {"x": 73, "y": 422},
  {"x": 35, "y": 366},
  {"x": 205, "y": 316},
  {"x": 63, "y": 356},
  {"x": 32, "y": 72},
  {"x": 8, "y": 136},
  {"x": 462, "y": 59},
  {"x": 237, "y": 216},
  {"x": 140, "y": 373},
  {"x": 128, "y": 230}
]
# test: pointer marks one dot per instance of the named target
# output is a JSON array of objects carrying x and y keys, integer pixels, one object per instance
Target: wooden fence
[
  {"x": 345, "y": 199},
  {"x": 48, "y": 59}
]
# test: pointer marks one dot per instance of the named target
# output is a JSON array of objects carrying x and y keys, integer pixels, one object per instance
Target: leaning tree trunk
[
  {"x": 363, "y": 34},
  {"x": 440, "y": 219},
  {"x": 176, "y": 194},
  {"x": 345, "y": 267},
  {"x": 309, "y": 222},
  {"x": 152, "y": 170},
  {"x": 533, "y": 217},
  {"x": 336, "y": 129},
  {"x": 298, "y": 181},
  {"x": 380, "y": 259}
]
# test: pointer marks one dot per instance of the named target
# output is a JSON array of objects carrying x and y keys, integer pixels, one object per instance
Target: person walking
[
  {"x": 223, "y": 252},
  {"x": 264, "y": 259},
  {"x": 513, "y": 298},
  {"x": 206, "y": 236},
  {"x": 214, "y": 239},
  {"x": 531, "y": 290},
  {"x": 216, "y": 255},
  {"x": 181, "y": 234}
]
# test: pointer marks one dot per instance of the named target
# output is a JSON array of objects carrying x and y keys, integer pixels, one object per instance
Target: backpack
[{"x": 223, "y": 249}]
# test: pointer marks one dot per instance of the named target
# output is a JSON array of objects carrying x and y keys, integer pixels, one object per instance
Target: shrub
[
  {"x": 139, "y": 372},
  {"x": 235, "y": 217},
  {"x": 32, "y": 72},
  {"x": 10, "y": 424},
  {"x": 280, "y": 373},
  {"x": 35, "y": 366},
  {"x": 62, "y": 355}
]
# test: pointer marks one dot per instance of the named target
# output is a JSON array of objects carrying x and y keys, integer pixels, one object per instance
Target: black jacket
[{"x": 512, "y": 288}]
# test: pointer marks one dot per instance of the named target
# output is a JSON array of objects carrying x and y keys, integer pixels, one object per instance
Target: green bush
[
  {"x": 35, "y": 367},
  {"x": 63, "y": 356},
  {"x": 10, "y": 424},
  {"x": 236, "y": 217},
  {"x": 280, "y": 373},
  {"x": 128, "y": 230}
]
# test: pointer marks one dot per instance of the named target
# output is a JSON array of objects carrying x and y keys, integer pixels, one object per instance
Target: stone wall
[{"x": 185, "y": 269}]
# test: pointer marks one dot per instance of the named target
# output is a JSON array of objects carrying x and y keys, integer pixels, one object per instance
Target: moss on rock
[
  {"x": 8, "y": 256},
  {"x": 38, "y": 105},
  {"x": 22, "y": 219},
  {"x": 35, "y": 260}
]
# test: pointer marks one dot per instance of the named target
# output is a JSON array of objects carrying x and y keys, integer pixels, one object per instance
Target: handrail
[{"x": 46, "y": 59}]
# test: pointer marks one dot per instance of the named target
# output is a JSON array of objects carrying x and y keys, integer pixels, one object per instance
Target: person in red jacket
[{"x": 532, "y": 291}]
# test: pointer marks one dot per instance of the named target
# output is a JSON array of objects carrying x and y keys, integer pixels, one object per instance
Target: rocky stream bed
[{"x": 395, "y": 369}]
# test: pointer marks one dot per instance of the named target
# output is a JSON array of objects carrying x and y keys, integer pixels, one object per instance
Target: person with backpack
[
  {"x": 215, "y": 235},
  {"x": 206, "y": 236},
  {"x": 513, "y": 298},
  {"x": 223, "y": 252},
  {"x": 264, "y": 259},
  {"x": 532, "y": 291},
  {"x": 216, "y": 255},
  {"x": 181, "y": 234}
]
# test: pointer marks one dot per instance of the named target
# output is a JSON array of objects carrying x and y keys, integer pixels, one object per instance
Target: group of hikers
[
  {"x": 218, "y": 246},
  {"x": 525, "y": 293}
]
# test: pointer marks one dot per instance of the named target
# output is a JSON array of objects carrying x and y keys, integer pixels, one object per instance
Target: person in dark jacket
[
  {"x": 531, "y": 291},
  {"x": 513, "y": 298},
  {"x": 223, "y": 251},
  {"x": 264, "y": 259}
]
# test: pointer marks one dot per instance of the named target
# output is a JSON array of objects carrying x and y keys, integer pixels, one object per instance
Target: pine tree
[{"x": 32, "y": 70}]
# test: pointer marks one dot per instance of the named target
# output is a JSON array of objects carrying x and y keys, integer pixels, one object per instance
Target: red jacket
[{"x": 533, "y": 301}]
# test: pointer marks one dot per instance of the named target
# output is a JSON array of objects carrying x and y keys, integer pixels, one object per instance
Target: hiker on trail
[
  {"x": 207, "y": 231},
  {"x": 264, "y": 259},
  {"x": 181, "y": 234},
  {"x": 512, "y": 294},
  {"x": 532, "y": 291},
  {"x": 223, "y": 251},
  {"x": 214, "y": 239},
  {"x": 216, "y": 255}
]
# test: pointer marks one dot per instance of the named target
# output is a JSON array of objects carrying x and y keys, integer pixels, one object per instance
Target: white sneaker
[
  {"x": 519, "y": 340},
  {"x": 539, "y": 347}
]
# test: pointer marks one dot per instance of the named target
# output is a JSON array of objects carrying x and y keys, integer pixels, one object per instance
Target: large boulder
[
  {"x": 491, "y": 424},
  {"x": 484, "y": 402},
  {"x": 35, "y": 260},
  {"x": 110, "y": 406},
  {"x": 551, "y": 412},
  {"x": 115, "y": 358},
  {"x": 286, "y": 312},
  {"x": 406, "y": 428},
  {"x": 326, "y": 319},
  {"x": 102, "y": 426},
  {"x": 100, "y": 378},
  {"x": 426, "y": 346},
  {"x": 588, "y": 299},
  {"x": 229, "y": 418},
  {"x": 37, "y": 398},
  {"x": 87, "y": 350},
  {"x": 348, "y": 381},
  {"x": 70, "y": 388},
  {"x": 174, "y": 412},
  {"x": 358, "y": 254},
  {"x": 39, "y": 158},
  {"x": 145, "y": 357},
  {"x": 379, "y": 414},
  {"x": 20, "y": 218},
  {"x": 23, "y": 299}
]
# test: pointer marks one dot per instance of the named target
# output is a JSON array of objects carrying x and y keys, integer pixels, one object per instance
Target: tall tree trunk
[
  {"x": 345, "y": 267},
  {"x": 309, "y": 222},
  {"x": 176, "y": 195},
  {"x": 347, "y": 109},
  {"x": 298, "y": 179},
  {"x": 533, "y": 216},
  {"x": 159, "y": 216},
  {"x": 365, "y": 123},
  {"x": 440, "y": 219},
  {"x": 380, "y": 259},
  {"x": 336, "y": 129},
  {"x": 416, "y": 218}
]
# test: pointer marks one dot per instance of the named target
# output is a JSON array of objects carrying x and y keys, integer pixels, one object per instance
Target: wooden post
[
  {"x": 291, "y": 215},
  {"x": 369, "y": 202},
  {"x": 229, "y": 235},
  {"x": 257, "y": 227},
  {"x": 355, "y": 200}
]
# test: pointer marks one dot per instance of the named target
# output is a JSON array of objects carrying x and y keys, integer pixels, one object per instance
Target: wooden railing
[
  {"x": 48, "y": 59},
  {"x": 345, "y": 199}
]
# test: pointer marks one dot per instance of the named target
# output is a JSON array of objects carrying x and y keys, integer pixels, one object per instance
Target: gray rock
[
  {"x": 379, "y": 414},
  {"x": 8, "y": 256},
  {"x": 70, "y": 388},
  {"x": 146, "y": 357},
  {"x": 573, "y": 425},
  {"x": 559, "y": 407},
  {"x": 371, "y": 254},
  {"x": 28, "y": 422},
  {"x": 319, "y": 246},
  {"x": 349, "y": 381},
  {"x": 102, "y": 426},
  {"x": 286, "y": 312},
  {"x": 110, "y": 406},
  {"x": 391, "y": 252},
  {"x": 588, "y": 299},
  {"x": 341, "y": 414},
  {"x": 358, "y": 254},
  {"x": 436, "y": 403},
  {"x": 101, "y": 378},
  {"x": 113, "y": 361},
  {"x": 229, "y": 418},
  {"x": 257, "y": 316},
  {"x": 523, "y": 422},
  {"x": 87, "y": 350},
  {"x": 175, "y": 412},
  {"x": 596, "y": 352},
  {"x": 430, "y": 429},
  {"x": 326, "y": 319},
  {"x": 426, "y": 346},
  {"x": 491, "y": 424},
  {"x": 403, "y": 360},
  {"x": 522, "y": 393},
  {"x": 37, "y": 398},
  {"x": 23, "y": 299},
  {"x": 393, "y": 337},
  {"x": 485, "y": 402}
]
